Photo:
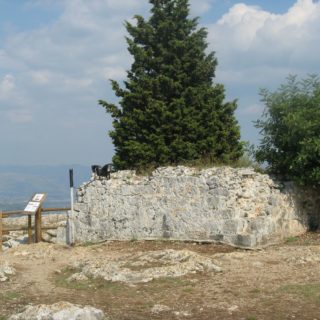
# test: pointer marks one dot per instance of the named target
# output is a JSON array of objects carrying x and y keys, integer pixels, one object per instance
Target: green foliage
[
  {"x": 291, "y": 130},
  {"x": 170, "y": 110},
  {"x": 292, "y": 239},
  {"x": 310, "y": 292}
]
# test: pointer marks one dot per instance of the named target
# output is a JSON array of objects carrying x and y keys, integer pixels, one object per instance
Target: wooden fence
[{"x": 37, "y": 227}]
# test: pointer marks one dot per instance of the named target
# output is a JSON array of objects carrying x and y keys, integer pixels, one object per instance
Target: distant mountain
[{"x": 19, "y": 183}]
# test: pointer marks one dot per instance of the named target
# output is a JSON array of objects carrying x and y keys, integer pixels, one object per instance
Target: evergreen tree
[{"x": 170, "y": 110}]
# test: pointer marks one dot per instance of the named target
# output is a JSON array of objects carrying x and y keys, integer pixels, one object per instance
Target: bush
[{"x": 290, "y": 128}]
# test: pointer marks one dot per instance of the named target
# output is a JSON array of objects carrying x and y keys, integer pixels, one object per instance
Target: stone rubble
[
  {"x": 16, "y": 238},
  {"x": 13, "y": 239},
  {"x": 60, "y": 311},
  {"x": 6, "y": 271},
  {"x": 144, "y": 267},
  {"x": 159, "y": 308},
  {"x": 236, "y": 206}
]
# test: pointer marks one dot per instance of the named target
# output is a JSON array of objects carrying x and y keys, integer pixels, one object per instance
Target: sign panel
[
  {"x": 38, "y": 197},
  {"x": 35, "y": 203},
  {"x": 32, "y": 206}
]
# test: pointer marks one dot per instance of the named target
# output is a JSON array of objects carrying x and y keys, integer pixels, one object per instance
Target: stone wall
[{"x": 235, "y": 206}]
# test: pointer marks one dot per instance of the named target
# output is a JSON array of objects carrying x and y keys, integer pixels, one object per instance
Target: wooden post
[
  {"x": 0, "y": 231},
  {"x": 40, "y": 224},
  {"x": 38, "y": 233},
  {"x": 29, "y": 229}
]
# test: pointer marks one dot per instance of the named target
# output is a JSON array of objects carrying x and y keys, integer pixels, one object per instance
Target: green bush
[{"x": 290, "y": 129}]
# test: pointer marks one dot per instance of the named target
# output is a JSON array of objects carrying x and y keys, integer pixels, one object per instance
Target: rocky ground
[
  {"x": 161, "y": 280},
  {"x": 13, "y": 239}
]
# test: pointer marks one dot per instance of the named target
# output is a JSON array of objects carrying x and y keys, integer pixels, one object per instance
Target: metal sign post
[
  {"x": 69, "y": 233},
  {"x": 71, "y": 188}
]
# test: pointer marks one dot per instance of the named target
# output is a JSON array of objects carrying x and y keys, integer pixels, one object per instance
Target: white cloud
[
  {"x": 55, "y": 74},
  {"x": 19, "y": 116},
  {"x": 115, "y": 73},
  {"x": 248, "y": 37},
  {"x": 40, "y": 77},
  {"x": 259, "y": 49},
  {"x": 255, "y": 109},
  {"x": 7, "y": 85},
  {"x": 199, "y": 7},
  {"x": 77, "y": 83}
]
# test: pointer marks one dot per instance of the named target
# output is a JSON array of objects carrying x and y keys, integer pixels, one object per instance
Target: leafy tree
[
  {"x": 170, "y": 110},
  {"x": 291, "y": 130}
]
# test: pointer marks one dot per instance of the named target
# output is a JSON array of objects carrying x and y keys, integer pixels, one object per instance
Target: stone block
[{"x": 246, "y": 240}]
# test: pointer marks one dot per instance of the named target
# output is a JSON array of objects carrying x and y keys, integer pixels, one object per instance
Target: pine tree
[{"x": 170, "y": 110}]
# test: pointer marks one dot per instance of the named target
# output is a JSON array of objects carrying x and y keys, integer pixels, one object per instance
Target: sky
[{"x": 57, "y": 56}]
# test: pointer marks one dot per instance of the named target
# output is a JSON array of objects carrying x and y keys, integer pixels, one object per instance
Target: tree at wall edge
[{"x": 171, "y": 112}]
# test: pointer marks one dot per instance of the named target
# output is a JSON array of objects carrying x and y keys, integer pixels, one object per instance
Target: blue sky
[{"x": 56, "y": 57}]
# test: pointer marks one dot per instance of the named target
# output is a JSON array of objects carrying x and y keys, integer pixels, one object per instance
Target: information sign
[
  {"x": 39, "y": 197},
  {"x": 35, "y": 203}
]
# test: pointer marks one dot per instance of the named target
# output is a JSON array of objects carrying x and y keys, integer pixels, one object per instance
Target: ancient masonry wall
[{"x": 235, "y": 206}]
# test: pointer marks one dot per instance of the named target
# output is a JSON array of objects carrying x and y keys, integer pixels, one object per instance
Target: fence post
[
  {"x": 29, "y": 229},
  {"x": 0, "y": 231},
  {"x": 38, "y": 233}
]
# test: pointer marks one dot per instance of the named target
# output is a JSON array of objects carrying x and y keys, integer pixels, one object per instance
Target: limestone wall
[{"x": 234, "y": 206}]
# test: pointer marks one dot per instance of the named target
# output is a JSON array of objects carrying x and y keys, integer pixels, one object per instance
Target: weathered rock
[
  {"x": 235, "y": 206},
  {"x": 159, "y": 308},
  {"x": 5, "y": 271},
  {"x": 47, "y": 237},
  {"x": 14, "y": 240},
  {"x": 60, "y": 311},
  {"x": 144, "y": 267}
]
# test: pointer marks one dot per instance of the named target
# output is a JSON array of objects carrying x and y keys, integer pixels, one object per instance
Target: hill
[{"x": 19, "y": 183}]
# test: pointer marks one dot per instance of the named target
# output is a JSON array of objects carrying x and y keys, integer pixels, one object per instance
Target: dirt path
[{"x": 280, "y": 282}]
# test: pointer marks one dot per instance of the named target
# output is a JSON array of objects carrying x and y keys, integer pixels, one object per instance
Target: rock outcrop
[
  {"x": 144, "y": 267},
  {"x": 6, "y": 271},
  {"x": 59, "y": 311},
  {"x": 237, "y": 206}
]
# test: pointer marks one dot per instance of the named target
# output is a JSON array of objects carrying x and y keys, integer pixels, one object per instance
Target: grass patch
[
  {"x": 164, "y": 284},
  {"x": 88, "y": 244},
  {"x": 307, "y": 291},
  {"x": 245, "y": 161},
  {"x": 168, "y": 282},
  {"x": 255, "y": 291},
  {"x": 61, "y": 280},
  {"x": 11, "y": 295},
  {"x": 292, "y": 239},
  {"x": 188, "y": 290}
]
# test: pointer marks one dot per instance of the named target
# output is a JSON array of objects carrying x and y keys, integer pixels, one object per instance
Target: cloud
[
  {"x": 259, "y": 49},
  {"x": 52, "y": 76},
  {"x": 255, "y": 109},
  {"x": 40, "y": 77},
  {"x": 199, "y": 7},
  {"x": 7, "y": 85},
  {"x": 55, "y": 74},
  {"x": 249, "y": 40},
  {"x": 19, "y": 116}
]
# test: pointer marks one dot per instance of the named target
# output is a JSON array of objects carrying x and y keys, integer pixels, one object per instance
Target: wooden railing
[{"x": 29, "y": 228}]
